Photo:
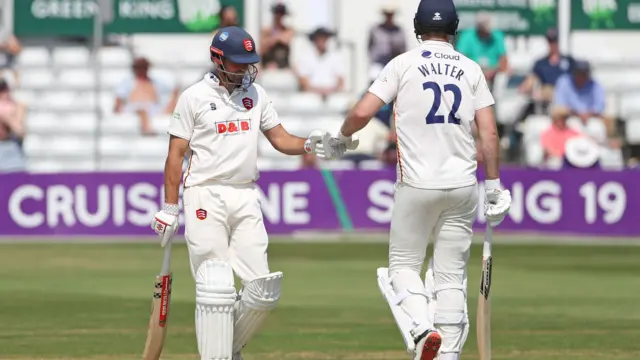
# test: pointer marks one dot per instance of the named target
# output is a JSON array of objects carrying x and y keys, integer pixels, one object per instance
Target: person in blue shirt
[
  {"x": 485, "y": 46},
  {"x": 580, "y": 93},
  {"x": 547, "y": 70}
]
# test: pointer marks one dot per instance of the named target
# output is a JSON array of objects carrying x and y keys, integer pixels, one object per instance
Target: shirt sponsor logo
[
  {"x": 447, "y": 56},
  {"x": 231, "y": 127}
]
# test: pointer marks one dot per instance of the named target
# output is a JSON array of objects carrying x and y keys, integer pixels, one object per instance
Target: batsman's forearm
[
  {"x": 292, "y": 146},
  {"x": 490, "y": 153},
  {"x": 172, "y": 176},
  {"x": 353, "y": 124}
]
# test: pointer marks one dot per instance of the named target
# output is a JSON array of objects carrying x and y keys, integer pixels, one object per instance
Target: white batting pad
[
  {"x": 258, "y": 298},
  {"x": 215, "y": 297},
  {"x": 450, "y": 350},
  {"x": 404, "y": 321}
]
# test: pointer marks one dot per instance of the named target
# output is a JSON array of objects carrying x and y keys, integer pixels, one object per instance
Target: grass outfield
[{"x": 64, "y": 301}]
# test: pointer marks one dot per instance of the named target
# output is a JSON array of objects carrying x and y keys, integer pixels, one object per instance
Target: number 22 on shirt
[{"x": 432, "y": 118}]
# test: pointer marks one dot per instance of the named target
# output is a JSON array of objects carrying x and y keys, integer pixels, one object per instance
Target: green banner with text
[
  {"x": 75, "y": 17},
  {"x": 514, "y": 17},
  {"x": 605, "y": 14}
]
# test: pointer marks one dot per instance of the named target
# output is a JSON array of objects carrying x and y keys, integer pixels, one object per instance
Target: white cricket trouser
[
  {"x": 448, "y": 215},
  {"x": 225, "y": 222}
]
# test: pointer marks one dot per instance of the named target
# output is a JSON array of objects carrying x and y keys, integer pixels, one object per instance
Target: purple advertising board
[{"x": 573, "y": 202}]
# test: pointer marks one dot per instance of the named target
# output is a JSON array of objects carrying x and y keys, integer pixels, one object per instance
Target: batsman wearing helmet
[
  {"x": 217, "y": 122},
  {"x": 438, "y": 94}
]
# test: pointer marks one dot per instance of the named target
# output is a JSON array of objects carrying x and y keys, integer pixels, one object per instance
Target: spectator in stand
[
  {"x": 582, "y": 95},
  {"x": 275, "y": 41},
  {"x": 386, "y": 40},
  {"x": 321, "y": 71},
  {"x": 12, "y": 132},
  {"x": 485, "y": 46},
  {"x": 546, "y": 72},
  {"x": 145, "y": 95},
  {"x": 9, "y": 49},
  {"x": 228, "y": 16},
  {"x": 555, "y": 137}
]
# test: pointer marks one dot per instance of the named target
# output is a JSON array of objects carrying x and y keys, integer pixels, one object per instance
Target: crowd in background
[{"x": 558, "y": 86}]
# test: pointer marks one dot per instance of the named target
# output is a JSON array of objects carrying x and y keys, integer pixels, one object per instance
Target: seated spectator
[
  {"x": 144, "y": 95},
  {"x": 386, "y": 40},
  {"x": 547, "y": 71},
  {"x": 555, "y": 138},
  {"x": 321, "y": 71},
  {"x": 485, "y": 46},
  {"x": 12, "y": 131},
  {"x": 275, "y": 41},
  {"x": 9, "y": 49},
  {"x": 582, "y": 95}
]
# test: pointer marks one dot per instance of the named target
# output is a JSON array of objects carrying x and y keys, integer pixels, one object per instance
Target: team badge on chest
[{"x": 248, "y": 103}]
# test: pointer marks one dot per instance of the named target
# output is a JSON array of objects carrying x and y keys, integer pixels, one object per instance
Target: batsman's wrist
[
  {"x": 493, "y": 184},
  {"x": 171, "y": 209}
]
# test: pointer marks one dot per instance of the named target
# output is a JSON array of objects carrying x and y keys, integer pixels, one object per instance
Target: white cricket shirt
[
  {"x": 437, "y": 92},
  {"x": 222, "y": 130}
]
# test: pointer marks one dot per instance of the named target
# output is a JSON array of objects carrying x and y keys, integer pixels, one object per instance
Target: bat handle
[
  {"x": 166, "y": 261},
  {"x": 488, "y": 237}
]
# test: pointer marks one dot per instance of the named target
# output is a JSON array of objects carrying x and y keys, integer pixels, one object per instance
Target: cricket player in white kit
[
  {"x": 438, "y": 94},
  {"x": 217, "y": 122}
]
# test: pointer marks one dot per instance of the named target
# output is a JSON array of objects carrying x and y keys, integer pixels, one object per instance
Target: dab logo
[
  {"x": 600, "y": 13},
  {"x": 199, "y": 15},
  {"x": 232, "y": 127}
]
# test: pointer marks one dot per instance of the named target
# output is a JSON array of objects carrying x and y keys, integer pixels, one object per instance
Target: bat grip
[
  {"x": 166, "y": 261},
  {"x": 488, "y": 237}
]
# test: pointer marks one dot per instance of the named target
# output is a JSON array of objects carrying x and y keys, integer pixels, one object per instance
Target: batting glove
[
  {"x": 165, "y": 223},
  {"x": 318, "y": 144},
  {"x": 497, "y": 202},
  {"x": 351, "y": 142}
]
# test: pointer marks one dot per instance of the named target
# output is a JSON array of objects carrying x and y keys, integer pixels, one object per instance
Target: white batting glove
[
  {"x": 318, "y": 144},
  {"x": 497, "y": 202},
  {"x": 165, "y": 223},
  {"x": 351, "y": 142}
]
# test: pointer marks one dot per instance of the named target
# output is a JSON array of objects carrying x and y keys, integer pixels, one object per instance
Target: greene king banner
[
  {"x": 75, "y": 17},
  {"x": 579, "y": 202}
]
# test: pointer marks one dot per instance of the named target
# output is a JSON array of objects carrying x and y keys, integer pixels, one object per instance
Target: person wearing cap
[
  {"x": 321, "y": 70},
  {"x": 547, "y": 70},
  {"x": 386, "y": 40},
  {"x": 144, "y": 95},
  {"x": 484, "y": 45},
  {"x": 218, "y": 121},
  {"x": 275, "y": 41},
  {"x": 582, "y": 95}
]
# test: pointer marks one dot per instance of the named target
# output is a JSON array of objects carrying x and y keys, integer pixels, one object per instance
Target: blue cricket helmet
[
  {"x": 234, "y": 44},
  {"x": 436, "y": 15}
]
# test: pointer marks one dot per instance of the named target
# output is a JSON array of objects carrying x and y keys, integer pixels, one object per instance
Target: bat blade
[
  {"x": 483, "y": 317},
  {"x": 159, "y": 315}
]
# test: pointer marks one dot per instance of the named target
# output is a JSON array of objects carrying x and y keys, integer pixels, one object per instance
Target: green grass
[{"x": 64, "y": 301}]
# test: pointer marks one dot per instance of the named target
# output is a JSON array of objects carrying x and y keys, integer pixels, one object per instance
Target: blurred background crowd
[{"x": 72, "y": 99}]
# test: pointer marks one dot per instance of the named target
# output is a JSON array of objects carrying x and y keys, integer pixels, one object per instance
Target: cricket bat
[
  {"x": 159, "y": 309},
  {"x": 483, "y": 318}
]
